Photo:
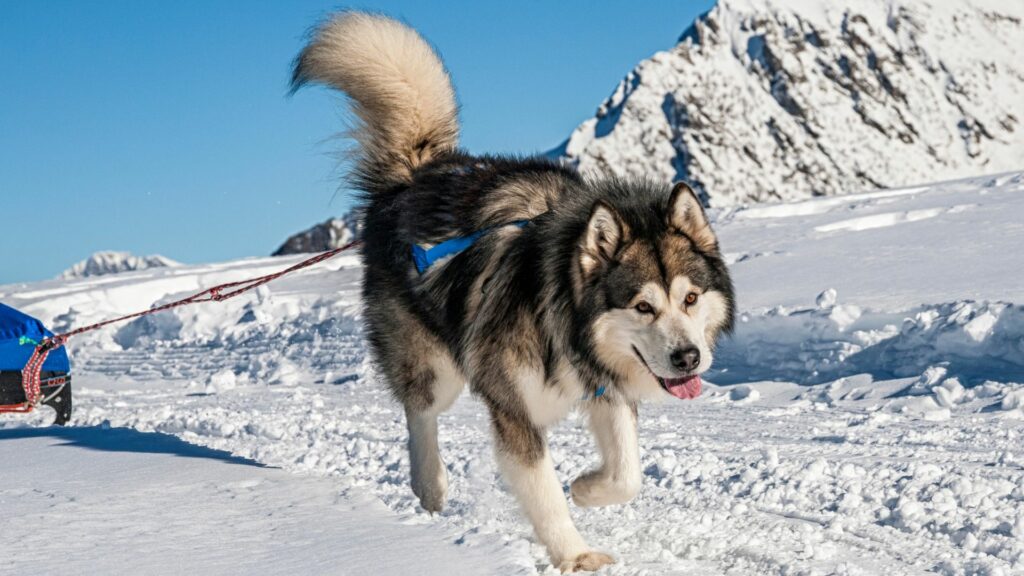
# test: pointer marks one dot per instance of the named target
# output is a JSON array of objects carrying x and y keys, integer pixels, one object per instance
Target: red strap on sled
[{"x": 31, "y": 379}]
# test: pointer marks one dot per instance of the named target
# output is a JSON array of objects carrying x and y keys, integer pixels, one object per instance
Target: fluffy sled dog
[{"x": 557, "y": 292}]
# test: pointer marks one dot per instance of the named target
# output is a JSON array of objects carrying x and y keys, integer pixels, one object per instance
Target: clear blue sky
[{"x": 164, "y": 127}]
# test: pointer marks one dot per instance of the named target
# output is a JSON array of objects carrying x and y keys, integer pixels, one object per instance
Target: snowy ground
[
  {"x": 135, "y": 502},
  {"x": 868, "y": 418}
]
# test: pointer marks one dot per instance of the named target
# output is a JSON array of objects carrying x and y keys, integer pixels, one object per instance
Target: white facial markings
[
  {"x": 679, "y": 288},
  {"x": 654, "y": 296},
  {"x": 622, "y": 333},
  {"x": 674, "y": 327},
  {"x": 616, "y": 332},
  {"x": 695, "y": 321},
  {"x": 716, "y": 311}
]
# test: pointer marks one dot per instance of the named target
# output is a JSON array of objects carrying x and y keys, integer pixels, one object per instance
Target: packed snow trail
[
  {"x": 96, "y": 500},
  {"x": 889, "y": 444}
]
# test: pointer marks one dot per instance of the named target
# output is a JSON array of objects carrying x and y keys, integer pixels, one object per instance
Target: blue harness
[{"x": 426, "y": 257}]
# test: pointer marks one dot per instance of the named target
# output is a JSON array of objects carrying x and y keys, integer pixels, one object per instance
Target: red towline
[{"x": 30, "y": 375}]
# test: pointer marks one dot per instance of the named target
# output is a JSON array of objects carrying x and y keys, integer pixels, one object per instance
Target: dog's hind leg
[
  {"x": 428, "y": 473},
  {"x": 422, "y": 376},
  {"x": 614, "y": 425}
]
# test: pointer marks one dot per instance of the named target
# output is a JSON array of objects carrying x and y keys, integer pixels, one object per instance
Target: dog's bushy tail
[{"x": 402, "y": 97}]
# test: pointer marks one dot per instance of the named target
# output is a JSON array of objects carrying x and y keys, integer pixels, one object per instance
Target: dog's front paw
[
  {"x": 586, "y": 562},
  {"x": 585, "y": 489},
  {"x": 596, "y": 489}
]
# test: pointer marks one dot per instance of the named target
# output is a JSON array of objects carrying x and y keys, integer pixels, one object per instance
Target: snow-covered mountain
[
  {"x": 110, "y": 262},
  {"x": 785, "y": 99},
  {"x": 333, "y": 233}
]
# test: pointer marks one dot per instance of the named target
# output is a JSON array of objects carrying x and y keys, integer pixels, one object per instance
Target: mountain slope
[
  {"x": 102, "y": 263},
  {"x": 766, "y": 100},
  {"x": 327, "y": 235}
]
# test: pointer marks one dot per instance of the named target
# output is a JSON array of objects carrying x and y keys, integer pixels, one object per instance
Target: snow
[
  {"x": 981, "y": 222},
  {"x": 785, "y": 99},
  {"x": 866, "y": 417},
  {"x": 107, "y": 500}
]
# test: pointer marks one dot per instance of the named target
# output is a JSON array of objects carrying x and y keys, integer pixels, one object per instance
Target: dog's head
[{"x": 652, "y": 283}]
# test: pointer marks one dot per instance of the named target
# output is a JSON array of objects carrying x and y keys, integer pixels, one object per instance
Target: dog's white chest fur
[{"x": 551, "y": 401}]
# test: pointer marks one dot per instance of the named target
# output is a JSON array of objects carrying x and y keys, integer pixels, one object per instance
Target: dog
[{"x": 545, "y": 290}]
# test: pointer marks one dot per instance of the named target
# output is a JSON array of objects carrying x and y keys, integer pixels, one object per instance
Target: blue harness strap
[{"x": 426, "y": 257}]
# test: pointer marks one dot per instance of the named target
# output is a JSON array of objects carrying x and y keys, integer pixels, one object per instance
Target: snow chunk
[
  {"x": 827, "y": 298},
  {"x": 744, "y": 393},
  {"x": 981, "y": 326},
  {"x": 844, "y": 316},
  {"x": 1013, "y": 400},
  {"x": 287, "y": 374},
  {"x": 221, "y": 381},
  {"x": 948, "y": 393}
]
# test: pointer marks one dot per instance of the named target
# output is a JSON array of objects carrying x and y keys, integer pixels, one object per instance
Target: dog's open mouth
[{"x": 685, "y": 388}]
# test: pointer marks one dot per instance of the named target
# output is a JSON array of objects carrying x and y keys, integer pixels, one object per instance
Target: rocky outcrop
[
  {"x": 769, "y": 100},
  {"x": 327, "y": 235}
]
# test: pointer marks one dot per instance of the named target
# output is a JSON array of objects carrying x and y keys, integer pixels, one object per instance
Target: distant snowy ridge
[
  {"x": 781, "y": 100},
  {"x": 109, "y": 262},
  {"x": 330, "y": 234}
]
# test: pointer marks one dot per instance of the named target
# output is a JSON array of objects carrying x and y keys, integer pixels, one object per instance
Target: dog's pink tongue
[{"x": 683, "y": 388}]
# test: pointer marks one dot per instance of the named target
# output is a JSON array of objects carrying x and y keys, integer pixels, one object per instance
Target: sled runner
[{"x": 20, "y": 335}]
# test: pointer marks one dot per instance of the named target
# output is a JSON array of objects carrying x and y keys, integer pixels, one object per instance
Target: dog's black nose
[{"x": 685, "y": 359}]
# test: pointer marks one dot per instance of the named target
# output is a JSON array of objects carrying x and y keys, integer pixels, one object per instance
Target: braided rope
[{"x": 31, "y": 379}]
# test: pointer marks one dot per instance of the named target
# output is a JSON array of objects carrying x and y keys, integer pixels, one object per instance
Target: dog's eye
[
  {"x": 691, "y": 298},
  {"x": 644, "y": 308}
]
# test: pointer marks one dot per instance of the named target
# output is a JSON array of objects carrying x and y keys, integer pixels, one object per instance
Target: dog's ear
[
  {"x": 604, "y": 234},
  {"x": 686, "y": 215}
]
